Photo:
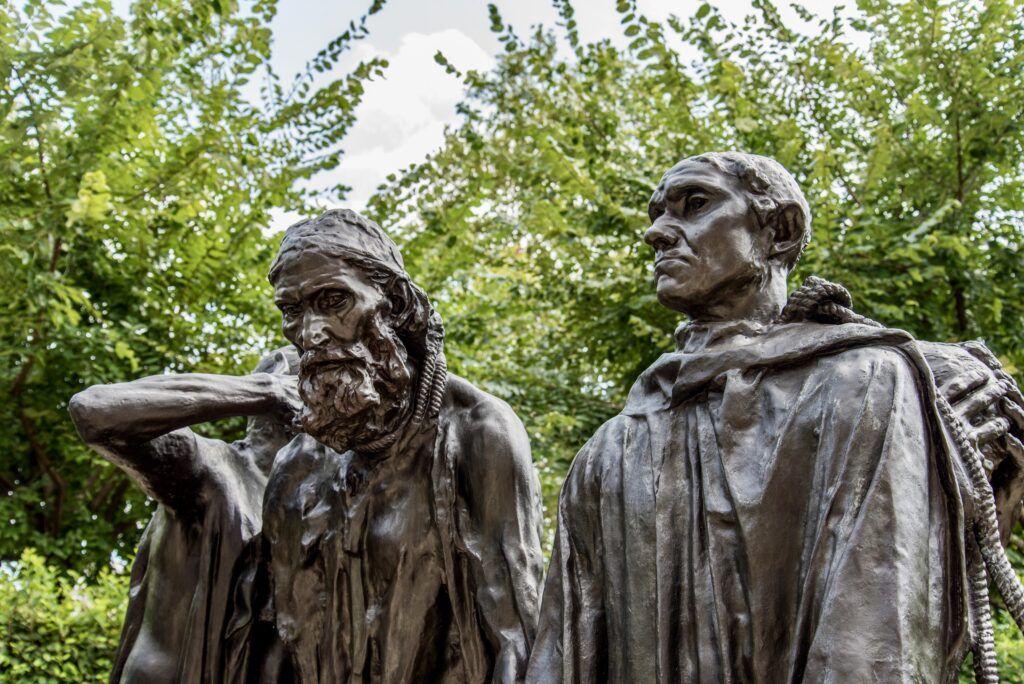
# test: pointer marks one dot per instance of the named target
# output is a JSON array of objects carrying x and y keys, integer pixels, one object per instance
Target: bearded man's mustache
[{"x": 319, "y": 356}]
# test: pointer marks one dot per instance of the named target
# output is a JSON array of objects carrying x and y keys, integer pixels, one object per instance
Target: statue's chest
[{"x": 390, "y": 524}]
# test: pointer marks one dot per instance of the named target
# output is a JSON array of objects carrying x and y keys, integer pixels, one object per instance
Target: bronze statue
[
  {"x": 787, "y": 496},
  {"x": 402, "y": 530},
  {"x": 209, "y": 495}
]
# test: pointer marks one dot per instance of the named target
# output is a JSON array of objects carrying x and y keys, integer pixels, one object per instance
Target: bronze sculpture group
[{"x": 797, "y": 493}]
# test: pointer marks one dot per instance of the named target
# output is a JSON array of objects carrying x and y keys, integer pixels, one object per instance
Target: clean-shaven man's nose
[{"x": 662, "y": 235}]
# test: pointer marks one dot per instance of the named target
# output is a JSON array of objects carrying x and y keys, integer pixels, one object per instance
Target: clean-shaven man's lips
[{"x": 661, "y": 264}]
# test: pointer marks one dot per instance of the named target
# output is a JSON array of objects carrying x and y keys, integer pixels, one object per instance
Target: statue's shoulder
[
  {"x": 486, "y": 428},
  {"x": 473, "y": 407},
  {"x": 608, "y": 445},
  {"x": 856, "y": 366}
]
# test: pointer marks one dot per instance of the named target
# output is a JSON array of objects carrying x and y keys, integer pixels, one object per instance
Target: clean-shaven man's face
[{"x": 707, "y": 241}]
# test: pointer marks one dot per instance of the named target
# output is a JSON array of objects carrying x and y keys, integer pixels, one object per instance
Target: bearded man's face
[{"x": 355, "y": 377}]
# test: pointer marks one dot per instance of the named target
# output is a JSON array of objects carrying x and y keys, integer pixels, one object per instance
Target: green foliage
[
  {"x": 58, "y": 627},
  {"x": 136, "y": 177}
]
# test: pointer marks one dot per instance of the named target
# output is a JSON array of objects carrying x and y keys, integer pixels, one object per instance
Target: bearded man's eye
[
  {"x": 334, "y": 299},
  {"x": 695, "y": 203}
]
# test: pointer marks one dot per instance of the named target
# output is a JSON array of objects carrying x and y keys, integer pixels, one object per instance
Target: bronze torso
[{"x": 356, "y": 561}]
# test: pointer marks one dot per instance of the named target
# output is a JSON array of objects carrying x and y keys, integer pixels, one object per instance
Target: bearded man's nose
[{"x": 315, "y": 331}]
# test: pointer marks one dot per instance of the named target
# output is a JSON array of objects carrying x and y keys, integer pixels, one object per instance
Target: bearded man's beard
[{"x": 356, "y": 395}]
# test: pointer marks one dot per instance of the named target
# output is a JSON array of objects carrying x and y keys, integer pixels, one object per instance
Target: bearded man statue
[
  {"x": 401, "y": 537},
  {"x": 788, "y": 496}
]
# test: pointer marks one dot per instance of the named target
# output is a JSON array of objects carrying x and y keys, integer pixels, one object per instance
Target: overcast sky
[{"x": 402, "y": 116}]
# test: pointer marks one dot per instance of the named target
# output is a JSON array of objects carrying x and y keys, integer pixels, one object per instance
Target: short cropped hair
[{"x": 771, "y": 190}]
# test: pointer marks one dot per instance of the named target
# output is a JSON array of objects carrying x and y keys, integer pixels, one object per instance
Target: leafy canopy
[
  {"x": 903, "y": 122},
  {"x": 139, "y": 160}
]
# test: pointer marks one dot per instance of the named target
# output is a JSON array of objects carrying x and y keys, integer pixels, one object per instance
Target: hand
[
  {"x": 288, "y": 405},
  {"x": 991, "y": 409},
  {"x": 984, "y": 397},
  {"x": 996, "y": 410}
]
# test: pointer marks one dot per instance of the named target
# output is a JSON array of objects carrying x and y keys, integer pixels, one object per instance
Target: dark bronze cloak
[
  {"x": 206, "y": 534},
  {"x": 780, "y": 506}
]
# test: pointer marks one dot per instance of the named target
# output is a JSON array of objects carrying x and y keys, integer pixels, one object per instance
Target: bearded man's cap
[{"x": 341, "y": 232}]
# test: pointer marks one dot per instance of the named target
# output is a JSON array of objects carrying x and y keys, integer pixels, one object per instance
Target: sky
[{"x": 403, "y": 115}]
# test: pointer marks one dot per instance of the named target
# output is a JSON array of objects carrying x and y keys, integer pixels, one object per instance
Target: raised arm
[
  {"x": 129, "y": 413},
  {"x": 142, "y": 426}
]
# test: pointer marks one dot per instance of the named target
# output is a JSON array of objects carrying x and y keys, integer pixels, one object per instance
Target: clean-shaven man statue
[
  {"x": 403, "y": 529},
  {"x": 210, "y": 499},
  {"x": 780, "y": 499}
]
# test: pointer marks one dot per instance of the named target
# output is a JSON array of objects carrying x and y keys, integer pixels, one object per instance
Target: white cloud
[{"x": 402, "y": 116}]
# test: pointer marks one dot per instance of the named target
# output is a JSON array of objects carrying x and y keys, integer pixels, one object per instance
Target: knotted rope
[
  {"x": 822, "y": 301},
  {"x": 429, "y": 393}
]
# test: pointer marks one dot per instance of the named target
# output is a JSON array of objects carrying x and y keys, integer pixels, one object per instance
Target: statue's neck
[{"x": 759, "y": 304}]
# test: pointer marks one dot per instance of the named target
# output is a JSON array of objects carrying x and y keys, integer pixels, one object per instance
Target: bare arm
[
  {"x": 142, "y": 426},
  {"x": 128, "y": 413},
  {"x": 504, "y": 502}
]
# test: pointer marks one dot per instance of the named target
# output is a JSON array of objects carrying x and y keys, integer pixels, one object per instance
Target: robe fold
[
  {"x": 776, "y": 505},
  {"x": 198, "y": 542}
]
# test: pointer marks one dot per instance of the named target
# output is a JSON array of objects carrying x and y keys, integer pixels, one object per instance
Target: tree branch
[
  {"x": 29, "y": 428},
  {"x": 105, "y": 491},
  {"x": 38, "y": 136},
  {"x": 115, "y": 498}
]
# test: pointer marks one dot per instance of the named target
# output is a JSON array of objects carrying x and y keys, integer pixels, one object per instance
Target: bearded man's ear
[
  {"x": 410, "y": 311},
  {"x": 400, "y": 302}
]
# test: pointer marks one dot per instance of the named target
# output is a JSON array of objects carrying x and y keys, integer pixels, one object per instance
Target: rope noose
[
  {"x": 983, "y": 645},
  {"x": 822, "y": 301}
]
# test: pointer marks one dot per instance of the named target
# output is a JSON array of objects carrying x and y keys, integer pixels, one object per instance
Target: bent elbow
[{"x": 84, "y": 411}]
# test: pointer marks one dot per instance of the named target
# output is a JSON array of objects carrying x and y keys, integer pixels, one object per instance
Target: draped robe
[
  {"x": 771, "y": 505},
  {"x": 181, "y": 579}
]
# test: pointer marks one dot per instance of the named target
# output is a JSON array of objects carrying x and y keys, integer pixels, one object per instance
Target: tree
[{"x": 141, "y": 158}]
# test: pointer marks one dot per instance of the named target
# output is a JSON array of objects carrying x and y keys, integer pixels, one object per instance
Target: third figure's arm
[
  {"x": 142, "y": 426},
  {"x": 504, "y": 504}
]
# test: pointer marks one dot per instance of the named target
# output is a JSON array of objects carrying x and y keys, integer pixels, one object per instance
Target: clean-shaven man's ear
[{"x": 787, "y": 234}]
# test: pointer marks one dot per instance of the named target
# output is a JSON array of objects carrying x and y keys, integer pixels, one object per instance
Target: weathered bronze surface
[
  {"x": 795, "y": 494},
  {"x": 397, "y": 537},
  {"x": 784, "y": 497},
  {"x": 210, "y": 497},
  {"x": 401, "y": 538}
]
